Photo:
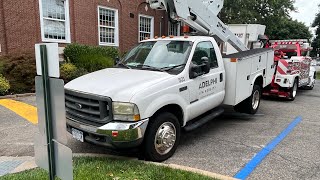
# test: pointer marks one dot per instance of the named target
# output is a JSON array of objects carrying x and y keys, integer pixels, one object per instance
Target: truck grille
[{"x": 88, "y": 108}]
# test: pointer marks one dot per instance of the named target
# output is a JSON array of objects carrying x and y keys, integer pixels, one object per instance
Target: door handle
[{"x": 221, "y": 77}]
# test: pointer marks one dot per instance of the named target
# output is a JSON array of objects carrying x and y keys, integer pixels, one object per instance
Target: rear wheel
[
  {"x": 252, "y": 103},
  {"x": 293, "y": 91},
  {"x": 162, "y": 137}
]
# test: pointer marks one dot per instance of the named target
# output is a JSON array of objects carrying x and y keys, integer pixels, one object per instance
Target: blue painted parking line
[{"x": 258, "y": 158}]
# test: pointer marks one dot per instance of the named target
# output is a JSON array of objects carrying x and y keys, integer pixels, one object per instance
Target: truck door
[{"x": 207, "y": 91}]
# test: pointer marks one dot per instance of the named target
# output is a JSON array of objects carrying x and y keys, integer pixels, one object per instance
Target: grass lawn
[
  {"x": 318, "y": 75},
  {"x": 106, "y": 168}
]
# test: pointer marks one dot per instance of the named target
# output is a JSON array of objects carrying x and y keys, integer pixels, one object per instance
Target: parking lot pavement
[
  {"x": 16, "y": 134},
  {"x": 224, "y": 145}
]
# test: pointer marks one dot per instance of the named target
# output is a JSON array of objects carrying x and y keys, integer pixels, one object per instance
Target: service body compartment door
[
  {"x": 270, "y": 68},
  {"x": 241, "y": 71}
]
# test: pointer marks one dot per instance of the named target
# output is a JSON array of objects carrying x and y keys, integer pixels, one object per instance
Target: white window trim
[
  {"x": 179, "y": 28},
  {"x": 67, "y": 24},
  {"x": 152, "y": 26},
  {"x": 116, "y": 32}
]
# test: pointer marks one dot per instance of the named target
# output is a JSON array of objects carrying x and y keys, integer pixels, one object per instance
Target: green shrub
[
  {"x": 69, "y": 72},
  {"x": 91, "y": 58},
  {"x": 4, "y": 85},
  {"x": 1, "y": 66},
  {"x": 20, "y": 70},
  {"x": 94, "y": 62}
]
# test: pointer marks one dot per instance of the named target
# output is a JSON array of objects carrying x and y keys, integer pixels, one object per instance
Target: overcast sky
[{"x": 306, "y": 11}]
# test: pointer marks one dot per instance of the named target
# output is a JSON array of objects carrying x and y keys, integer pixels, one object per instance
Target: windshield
[{"x": 159, "y": 55}]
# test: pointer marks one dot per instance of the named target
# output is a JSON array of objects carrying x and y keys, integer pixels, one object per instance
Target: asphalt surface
[{"x": 223, "y": 145}]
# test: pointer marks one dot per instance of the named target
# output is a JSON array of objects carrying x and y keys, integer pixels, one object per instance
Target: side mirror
[
  {"x": 199, "y": 70},
  {"x": 205, "y": 65}
]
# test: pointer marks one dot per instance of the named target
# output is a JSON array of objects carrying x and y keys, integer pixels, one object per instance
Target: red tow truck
[{"x": 293, "y": 68}]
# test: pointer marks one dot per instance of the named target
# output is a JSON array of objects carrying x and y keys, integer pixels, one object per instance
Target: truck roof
[{"x": 179, "y": 38}]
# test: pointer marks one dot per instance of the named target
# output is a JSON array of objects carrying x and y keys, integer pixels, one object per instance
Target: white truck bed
[{"x": 240, "y": 74}]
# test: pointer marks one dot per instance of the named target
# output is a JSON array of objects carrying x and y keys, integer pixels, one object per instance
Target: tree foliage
[
  {"x": 316, "y": 40},
  {"x": 274, "y": 14}
]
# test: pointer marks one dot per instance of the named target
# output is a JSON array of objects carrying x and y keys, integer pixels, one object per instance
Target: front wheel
[{"x": 162, "y": 137}]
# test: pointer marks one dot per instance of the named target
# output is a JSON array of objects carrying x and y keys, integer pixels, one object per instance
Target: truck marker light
[
  {"x": 115, "y": 133},
  {"x": 233, "y": 60},
  {"x": 171, "y": 36},
  {"x": 156, "y": 37},
  {"x": 163, "y": 37},
  {"x": 136, "y": 117}
]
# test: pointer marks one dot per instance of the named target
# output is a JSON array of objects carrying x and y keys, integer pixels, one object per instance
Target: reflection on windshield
[{"x": 158, "y": 54}]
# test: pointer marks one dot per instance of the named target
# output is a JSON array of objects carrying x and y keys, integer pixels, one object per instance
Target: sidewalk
[{"x": 10, "y": 165}]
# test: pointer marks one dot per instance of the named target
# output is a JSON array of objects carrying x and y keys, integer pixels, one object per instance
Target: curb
[
  {"x": 29, "y": 163},
  {"x": 17, "y": 95},
  {"x": 194, "y": 170}
]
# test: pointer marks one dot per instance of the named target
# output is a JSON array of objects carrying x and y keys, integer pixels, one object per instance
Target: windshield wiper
[
  {"x": 172, "y": 67},
  {"x": 142, "y": 66},
  {"x": 124, "y": 65}
]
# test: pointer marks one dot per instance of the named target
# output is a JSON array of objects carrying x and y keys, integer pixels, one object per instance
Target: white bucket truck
[{"x": 167, "y": 84}]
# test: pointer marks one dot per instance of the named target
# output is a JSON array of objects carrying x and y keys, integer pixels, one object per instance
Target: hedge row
[{"x": 17, "y": 71}]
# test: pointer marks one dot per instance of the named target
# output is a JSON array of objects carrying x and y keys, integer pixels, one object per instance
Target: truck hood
[{"x": 118, "y": 84}]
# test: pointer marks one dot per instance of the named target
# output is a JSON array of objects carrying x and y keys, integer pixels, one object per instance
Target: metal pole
[{"x": 48, "y": 114}]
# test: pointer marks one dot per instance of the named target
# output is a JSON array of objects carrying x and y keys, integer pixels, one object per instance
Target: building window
[
  {"x": 55, "y": 24},
  {"x": 108, "y": 26},
  {"x": 174, "y": 29},
  {"x": 146, "y": 27}
]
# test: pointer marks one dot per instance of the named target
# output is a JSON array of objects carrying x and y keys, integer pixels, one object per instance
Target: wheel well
[
  {"x": 174, "y": 109},
  {"x": 259, "y": 81}
]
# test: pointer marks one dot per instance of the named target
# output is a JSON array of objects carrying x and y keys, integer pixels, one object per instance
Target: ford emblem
[{"x": 79, "y": 106}]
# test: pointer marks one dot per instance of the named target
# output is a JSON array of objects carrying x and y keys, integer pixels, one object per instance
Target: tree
[
  {"x": 288, "y": 29},
  {"x": 274, "y": 14},
  {"x": 316, "y": 41},
  {"x": 254, "y": 11}
]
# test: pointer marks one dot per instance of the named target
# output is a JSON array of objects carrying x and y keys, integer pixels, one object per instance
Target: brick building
[{"x": 119, "y": 23}]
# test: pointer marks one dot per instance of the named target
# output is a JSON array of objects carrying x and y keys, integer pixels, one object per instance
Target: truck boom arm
[{"x": 202, "y": 16}]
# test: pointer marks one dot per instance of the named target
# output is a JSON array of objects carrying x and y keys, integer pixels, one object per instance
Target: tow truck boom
[{"x": 200, "y": 15}]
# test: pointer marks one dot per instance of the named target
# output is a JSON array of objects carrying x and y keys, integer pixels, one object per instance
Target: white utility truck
[{"x": 167, "y": 84}]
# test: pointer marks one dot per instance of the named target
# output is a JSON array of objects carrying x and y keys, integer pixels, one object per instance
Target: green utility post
[{"x": 48, "y": 113}]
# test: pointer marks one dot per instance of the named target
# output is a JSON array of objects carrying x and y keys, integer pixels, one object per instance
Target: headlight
[{"x": 125, "y": 111}]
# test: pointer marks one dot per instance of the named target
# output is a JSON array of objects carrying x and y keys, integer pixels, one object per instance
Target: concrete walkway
[{"x": 9, "y": 165}]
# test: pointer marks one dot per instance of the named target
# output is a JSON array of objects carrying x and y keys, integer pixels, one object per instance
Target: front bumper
[{"x": 117, "y": 135}]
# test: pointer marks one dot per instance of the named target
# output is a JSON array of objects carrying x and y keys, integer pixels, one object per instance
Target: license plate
[{"x": 78, "y": 135}]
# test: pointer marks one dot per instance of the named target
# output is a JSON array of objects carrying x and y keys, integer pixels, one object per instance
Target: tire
[
  {"x": 165, "y": 124},
  {"x": 252, "y": 103},
  {"x": 293, "y": 91},
  {"x": 310, "y": 87}
]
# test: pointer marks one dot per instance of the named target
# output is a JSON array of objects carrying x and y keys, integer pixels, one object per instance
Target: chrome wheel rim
[
  {"x": 255, "y": 99},
  {"x": 294, "y": 92},
  {"x": 165, "y": 138}
]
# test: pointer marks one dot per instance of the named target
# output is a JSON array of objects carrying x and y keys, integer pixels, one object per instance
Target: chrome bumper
[{"x": 114, "y": 134}]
